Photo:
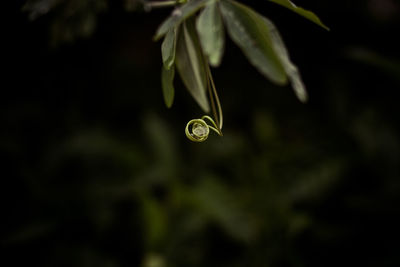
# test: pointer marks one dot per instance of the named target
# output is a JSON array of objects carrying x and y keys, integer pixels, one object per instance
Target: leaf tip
[
  {"x": 300, "y": 90},
  {"x": 205, "y": 106},
  {"x": 325, "y": 27},
  {"x": 157, "y": 37},
  {"x": 303, "y": 98},
  {"x": 167, "y": 82}
]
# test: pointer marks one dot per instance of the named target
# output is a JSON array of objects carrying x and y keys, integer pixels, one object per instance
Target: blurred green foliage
[
  {"x": 72, "y": 19},
  {"x": 96, "y": 171}
]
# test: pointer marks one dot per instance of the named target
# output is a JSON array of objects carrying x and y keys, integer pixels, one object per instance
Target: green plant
[{"x": 194, "y": 38}]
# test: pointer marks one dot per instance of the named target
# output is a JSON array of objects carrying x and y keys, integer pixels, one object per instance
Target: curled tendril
[{"x": 197, "y": 130}]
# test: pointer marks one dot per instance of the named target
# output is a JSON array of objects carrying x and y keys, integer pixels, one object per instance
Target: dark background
[{"x": 97, "y": 172}]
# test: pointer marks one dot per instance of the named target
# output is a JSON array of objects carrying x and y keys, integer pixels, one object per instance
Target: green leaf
[
  {"x": 168, "y": 48},
  {"x": 291, "y": 70},
  {"x": 211, "y": 33},
  {"x": 190, "y": 64},
  {"x": 302, "y": 12},
  {"x": 248, "y": 30},
  {"x": 167, "y": 80},
  {"x": 178, "y": 16}
]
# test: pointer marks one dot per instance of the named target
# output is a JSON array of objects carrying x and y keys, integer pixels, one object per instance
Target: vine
[{"x": 195, "y": 38}]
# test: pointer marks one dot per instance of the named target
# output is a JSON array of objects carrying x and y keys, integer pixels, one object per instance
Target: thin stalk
[
  {"x": 214, "y": 98},
  {"x": 160, "y": 4},
  {"x": 212, "y": 91}
]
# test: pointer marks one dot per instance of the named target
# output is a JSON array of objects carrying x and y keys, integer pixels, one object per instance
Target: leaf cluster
[{"x": 192, "y": 42}]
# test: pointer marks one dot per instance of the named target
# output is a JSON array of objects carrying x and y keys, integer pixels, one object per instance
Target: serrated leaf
[
  {"x": 190, "y": 64},
  {"x": 168, "y": 48},
  {"x": 291, "y": 70},
  {"x": 211, "y": 32},
  {"x": 178, "y": 16},
  {"x": 248, "y": 30},
  {"x": 302, "y": 12},
  {"x": 167, "y": 81}
]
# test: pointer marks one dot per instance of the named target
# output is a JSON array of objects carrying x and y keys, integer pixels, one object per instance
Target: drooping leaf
[
  {"x": 248, "y": 30},
  {"x": 302, "y": 12},
  {"x": 178, "y": 16},
  {"x": 190, "y": 63},
  {"x": 168, "y": 48},
  {"x": 211, "y": 33},
  {"x": 291, "y": 70},
  {"x": 167, "y": 80}
]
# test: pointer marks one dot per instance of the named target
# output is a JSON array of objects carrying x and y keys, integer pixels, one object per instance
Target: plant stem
[{"x": 160, "y": 4}]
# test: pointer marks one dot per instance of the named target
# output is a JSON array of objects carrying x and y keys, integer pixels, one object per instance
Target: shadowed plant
[{"x": 194, "y": 38}]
